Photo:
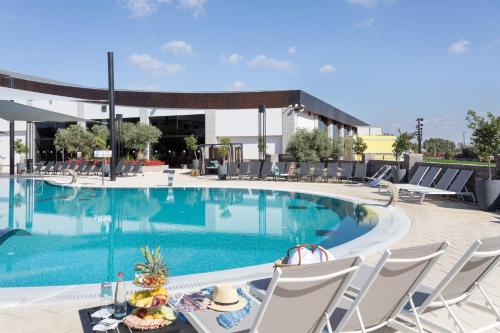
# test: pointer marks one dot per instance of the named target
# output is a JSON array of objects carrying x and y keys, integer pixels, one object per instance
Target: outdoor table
[{"x": 87, "y": 324}]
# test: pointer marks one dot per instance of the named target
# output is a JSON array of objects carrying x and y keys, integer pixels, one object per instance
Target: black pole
[
  {"x": 119, "y": 121},
  {"x": 12, "y": 146},
  {"x": 420, "y": 126},
  {"x": 112, "y": 124}
]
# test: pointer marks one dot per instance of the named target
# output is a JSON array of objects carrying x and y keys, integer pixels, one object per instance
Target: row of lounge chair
[
  {"x": 86, "y": 167},
  {"x": 423, "y": 183},
  {"x": 291, "y": 170},
  {"x": 347, "y": 296}
]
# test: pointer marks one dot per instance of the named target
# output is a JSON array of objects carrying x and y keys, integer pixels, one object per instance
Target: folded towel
[{"x": 231, "y": 319}]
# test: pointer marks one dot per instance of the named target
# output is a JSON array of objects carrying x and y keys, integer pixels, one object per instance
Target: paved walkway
[{"x": 432, "y": 221}]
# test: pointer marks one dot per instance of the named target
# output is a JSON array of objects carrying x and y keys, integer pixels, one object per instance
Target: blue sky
[{"x": 384, "y": 61}]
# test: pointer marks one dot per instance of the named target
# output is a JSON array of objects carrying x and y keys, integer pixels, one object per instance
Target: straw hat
[{"x": 225, "y": 298}]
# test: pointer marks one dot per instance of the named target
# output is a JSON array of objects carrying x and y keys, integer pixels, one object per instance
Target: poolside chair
[
  {"x": 332, "y": 171},
  {"x": 282, "y": 170},
  {"x": 73, "y": 165},
  {"x": 292, "y": 170},
  {"x": 56, "y": 167},
  {"x": 359, "y": 172},
  {"x": 127, "y": 168},
  {"x": 244, "y": 169},
  {"x": 458, "y": 285},
  {"x": 88, "y": 168},
  {"x": 267, "y": 170},
  {"x": 137, "y": 168},
  {"x": 304, "y": 170},
  {"x": 38, "y": 167},
  {"x": 232, "y": 170},
  {"x": 346, "y": 171},
  {"x": 79, "y": 169},
  {"x": 119, "y": 167},
  {"x": 382, "y": 174},
  {"x": 298, "y": 300},
  {"x": 97, "y": 168},
  {"x": 458, "y": 187},
  {"x": 48, "y": 167},
  {"x": 64, "y": 166},
  {"x": 318, "y": 171},
  {"x": 427, "y": 180},
  {"x": 442, "y": 184},
  {"x": 379, "y": 297},
  {"x": 254, "y": 169}
]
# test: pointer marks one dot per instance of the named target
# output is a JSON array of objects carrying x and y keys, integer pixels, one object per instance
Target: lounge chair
[
  {"x": 79, "y": 169},
  {"x": 48, "y": 167},
  {"x": 298, "y": 300},
  {"x": 427, "y": 180},
  {"x": 119, "y": 167},
  {"x": 458, "y": 187},
  {"x": 38, "y": 167},
  {"x": 56, "y": 167},
  {"x": 377, "y": 295},
  {"x": 97, "y": 168},
  {"x": 346, "y": 171},
  {"x": 359, "y": 172},
  {"x": 304, "y": 170},
  {"x": 267, "y": 170},
  {"x": 332, "y": 171},
  {"x": 73, "y": 165},
  {"x": 88, "y": 168},
  {"x": 457, "y": 286},
  {"x": 137, "y": 168},
  {"x": 382, "y": 174},
  {"x": 212, "y": 166},
  {"x": 282, "y": 170},
  {"x": 318, "y": 171},
  {"x": 292, "y": 170},
  {"x": 127, "y": 168},
  {"x": 254, "y": 170},
  {"x": 244, "y": 169},
  {"x": 65, "y": 166},
  {"x": 442, "y": 184},
  {"x": 232, "y": 170}
]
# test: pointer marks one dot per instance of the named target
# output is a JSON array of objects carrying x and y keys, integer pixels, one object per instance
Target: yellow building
[{"x": 377, "y": 143}]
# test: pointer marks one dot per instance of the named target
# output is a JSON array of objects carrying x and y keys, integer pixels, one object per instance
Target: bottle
[{"x": 120, "y": 297}]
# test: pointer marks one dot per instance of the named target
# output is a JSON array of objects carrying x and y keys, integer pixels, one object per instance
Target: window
[{"x": 104, "y": 108}]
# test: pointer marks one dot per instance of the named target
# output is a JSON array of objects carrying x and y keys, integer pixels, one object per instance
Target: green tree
[
  {"x": 439, "y": 147},
  {"x": 310, "y": 145},
  {"x": 485, "y": 136},
  {"x": 139, "y": 136},
  {"x": 73, "y": 139},
  {"x": 100, "y": 135},
  {"x": 20, "y": 147},
  {"x": 337, "y": 148},
  {"x": 192, "y": 144},
  {"x": 359, "y": 146},
  {"x": 403, "y": 143},
  {"x": 224, "y": 149}
]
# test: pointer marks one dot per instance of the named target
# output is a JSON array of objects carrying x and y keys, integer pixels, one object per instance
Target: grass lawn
[{"x": 437, "y": 160}]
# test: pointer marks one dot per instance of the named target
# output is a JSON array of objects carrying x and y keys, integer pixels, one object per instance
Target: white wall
[
  {"x": 250, "y": 150},
  {"x": 304, "y": 120},
  {"x": 244, "y": 122}
]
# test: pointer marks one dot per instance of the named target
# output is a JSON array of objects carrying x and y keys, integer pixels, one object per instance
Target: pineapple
[{"x": 154, "y": 271}]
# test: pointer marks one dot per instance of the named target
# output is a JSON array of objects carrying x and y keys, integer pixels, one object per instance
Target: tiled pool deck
[{"x": 432, "y": 221}]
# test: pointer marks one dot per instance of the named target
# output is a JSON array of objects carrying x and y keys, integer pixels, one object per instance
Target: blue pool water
[{"x": 88, "y": 235}]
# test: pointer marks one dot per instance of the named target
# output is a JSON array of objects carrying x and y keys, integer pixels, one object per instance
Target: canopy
[{"x": 10, "y": 110}]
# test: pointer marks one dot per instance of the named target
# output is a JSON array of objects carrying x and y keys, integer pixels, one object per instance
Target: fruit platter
[
  {"x": 147, "y": 299},
  {"x": 151, "y": 310}
]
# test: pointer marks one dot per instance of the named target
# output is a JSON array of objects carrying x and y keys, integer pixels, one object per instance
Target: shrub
[{"x": 310, "y": 145}]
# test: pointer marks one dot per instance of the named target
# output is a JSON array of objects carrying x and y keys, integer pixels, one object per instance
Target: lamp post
[
  {"x": 420, "y": 126},
  {"x": 262, "y": 136}
]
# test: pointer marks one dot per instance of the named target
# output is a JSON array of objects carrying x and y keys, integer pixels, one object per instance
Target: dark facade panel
[{"x": 175, "y": 100}]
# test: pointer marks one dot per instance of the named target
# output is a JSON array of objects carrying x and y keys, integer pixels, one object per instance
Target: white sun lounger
[
  {"x": 383, "y": 173},
  {"x": 425, "y": 182},
  {"x": 458, "y": 187},
  {"x": 299, "y": 299},
  {"x": 457, "y": 286}
]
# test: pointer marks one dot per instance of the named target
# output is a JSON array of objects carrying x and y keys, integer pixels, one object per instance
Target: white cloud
[
  {"x": 459, "y": 47},
  {"x": 292, "y": 50},
  {"x": 261, "y": 61},
  {"x": 178, "y": 47},
  {"x": 327, "y": 69},
  {"x": 364, "y": 3},
  {"x": 232, "y": 59},
  {"x": 365, "y": 23},
  {"x": 143, "y": 8},
  {"x": 236, "y": 85},
  {"x": 154, "y": 66},
  {"x": 197, "y": 7}
]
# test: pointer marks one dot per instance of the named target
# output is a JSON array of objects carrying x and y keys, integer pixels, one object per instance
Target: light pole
[
  {"x": 112, "y": 124},
  {"x": 420, "y": 126}
]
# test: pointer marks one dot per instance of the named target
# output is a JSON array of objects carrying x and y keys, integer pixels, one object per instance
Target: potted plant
[
  {"x": 192, "y": 144},
  {"x": 486, "y": 141},
  {"x": 359, "y": 147},
  {"x": 21, "y": 149},
  {"x": 224, "y": 152}
]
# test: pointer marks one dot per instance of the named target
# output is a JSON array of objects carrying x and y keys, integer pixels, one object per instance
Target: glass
[{"x": 107, "y": 295}]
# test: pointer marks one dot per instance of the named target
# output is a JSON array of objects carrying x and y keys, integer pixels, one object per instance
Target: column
[
  {"x": 341, "y": 130},
  {"x": 288, "y": 121},
  {"x": 144, "y": 119},
  {"x": 80, "y": 113},
  {"x": 329, "y": 129}
]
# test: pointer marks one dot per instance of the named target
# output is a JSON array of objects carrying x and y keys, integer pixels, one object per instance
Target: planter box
[{"x": 488, "y": 194}]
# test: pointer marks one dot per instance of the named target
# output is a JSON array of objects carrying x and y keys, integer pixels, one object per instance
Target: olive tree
[
  {"x": 192, "y": 144},
  {"x": 337, "y": 148},
  {"x": 20, "y": 147},
  {"x": 73, "y": 139},
  {"x": 139, "y": 136},
  {"x": 224, "y": 149},
  {"x": 310, "y": 145},
  {"x": 403, "y": 143},
  {"x": 359, "y": 146},
  {"x": 485, "y": 136}
]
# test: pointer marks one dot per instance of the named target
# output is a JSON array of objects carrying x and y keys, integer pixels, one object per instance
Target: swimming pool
[{"x": 87, "y": 235}]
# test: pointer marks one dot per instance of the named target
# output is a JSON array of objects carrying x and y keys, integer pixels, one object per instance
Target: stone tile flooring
[{"x": 432, "y": 221}]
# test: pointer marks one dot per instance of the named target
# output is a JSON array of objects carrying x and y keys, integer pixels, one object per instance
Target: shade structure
[{"x": 12, "y": 111}]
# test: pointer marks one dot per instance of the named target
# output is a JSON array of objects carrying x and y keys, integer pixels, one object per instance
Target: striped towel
[{"x": 231, "y": 319}]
